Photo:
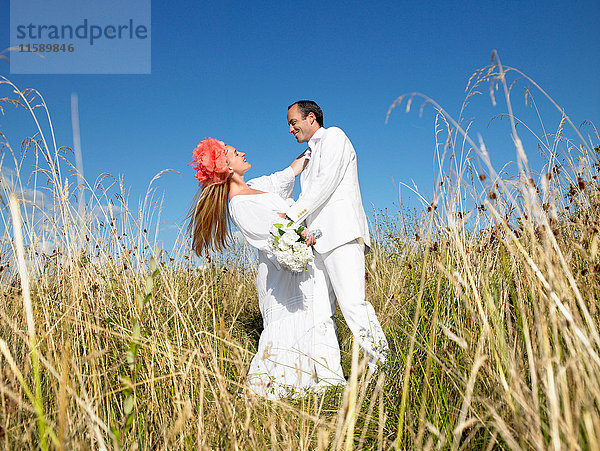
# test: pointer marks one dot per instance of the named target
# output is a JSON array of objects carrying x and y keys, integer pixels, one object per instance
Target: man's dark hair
[{"x": 308, "y": 106}]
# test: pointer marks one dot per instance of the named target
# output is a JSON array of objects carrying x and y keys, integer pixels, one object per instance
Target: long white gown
[{"x": 293, "y": 357}]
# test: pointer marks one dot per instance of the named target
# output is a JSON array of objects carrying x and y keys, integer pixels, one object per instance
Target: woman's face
[{"x": 236, "y": 160}]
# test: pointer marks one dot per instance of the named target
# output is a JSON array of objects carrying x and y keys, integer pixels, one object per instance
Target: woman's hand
[
  {"x": 310, "y": 238},
  {"x": 299, "y": 164}
]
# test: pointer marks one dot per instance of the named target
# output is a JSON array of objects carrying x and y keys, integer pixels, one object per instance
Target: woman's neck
[{"x": 236, "y": 185}]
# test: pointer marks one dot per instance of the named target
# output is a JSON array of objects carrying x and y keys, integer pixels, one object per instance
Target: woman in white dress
[{"x": 293, "y": 357}]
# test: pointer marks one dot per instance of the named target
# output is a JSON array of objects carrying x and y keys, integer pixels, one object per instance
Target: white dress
[{"x": 291, "y": 358}]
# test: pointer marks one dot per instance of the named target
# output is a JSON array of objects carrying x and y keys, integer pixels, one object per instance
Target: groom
[{"x": 330, "y": 201}]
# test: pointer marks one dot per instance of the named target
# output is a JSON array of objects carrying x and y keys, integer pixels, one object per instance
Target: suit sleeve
[{"x": 335, "y": 156}]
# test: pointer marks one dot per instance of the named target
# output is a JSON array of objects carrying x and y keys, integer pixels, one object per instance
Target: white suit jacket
[{"x": 330, "y": 199}]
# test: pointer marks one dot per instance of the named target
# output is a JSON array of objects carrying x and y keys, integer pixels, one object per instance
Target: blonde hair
[{"x": 209, "y": 219}]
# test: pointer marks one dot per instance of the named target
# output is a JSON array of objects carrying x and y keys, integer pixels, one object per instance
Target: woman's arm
[
  {"x": 280, "y": 183},
  {"x": 299, "y": 164}
]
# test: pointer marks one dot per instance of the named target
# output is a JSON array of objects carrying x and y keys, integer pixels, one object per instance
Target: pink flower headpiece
[{"x": 210, "y": 162}]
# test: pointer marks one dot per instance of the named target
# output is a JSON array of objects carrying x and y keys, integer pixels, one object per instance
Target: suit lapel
[
  {"x": 305, "y": 177},
  {"x": 306, "y": 174}
]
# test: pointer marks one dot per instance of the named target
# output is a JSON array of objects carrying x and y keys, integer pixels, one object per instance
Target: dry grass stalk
[{"x": 488, "y": 299}]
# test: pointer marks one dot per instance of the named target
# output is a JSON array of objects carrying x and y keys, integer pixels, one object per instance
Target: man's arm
[{"x": 335, "y": 156}]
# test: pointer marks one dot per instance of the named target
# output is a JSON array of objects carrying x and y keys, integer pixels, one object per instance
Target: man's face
[{"x": 302, "y": 128}]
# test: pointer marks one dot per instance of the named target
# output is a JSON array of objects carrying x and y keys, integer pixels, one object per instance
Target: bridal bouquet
[{"x": 288, "y": 245}]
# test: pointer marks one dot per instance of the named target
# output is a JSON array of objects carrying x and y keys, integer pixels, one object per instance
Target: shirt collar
[{"x": 316, "y": 137}]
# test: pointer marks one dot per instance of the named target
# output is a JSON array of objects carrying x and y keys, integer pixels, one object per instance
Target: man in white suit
[{"x": 330, "y": 201}]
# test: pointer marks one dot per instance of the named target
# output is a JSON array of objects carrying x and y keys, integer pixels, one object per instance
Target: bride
[{"x": 294, "y": 354}]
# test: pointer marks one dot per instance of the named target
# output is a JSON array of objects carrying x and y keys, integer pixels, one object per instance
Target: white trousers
[{"x": 341, "y": 275}]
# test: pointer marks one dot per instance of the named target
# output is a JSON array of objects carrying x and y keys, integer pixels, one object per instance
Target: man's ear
[{"x": 312, "y": 118}]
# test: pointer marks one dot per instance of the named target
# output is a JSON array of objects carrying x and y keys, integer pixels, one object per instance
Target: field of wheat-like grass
[{"x": 488, "y": 297}]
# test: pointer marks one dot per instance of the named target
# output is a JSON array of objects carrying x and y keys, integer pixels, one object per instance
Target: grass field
[{"x": 489, "y": 299}]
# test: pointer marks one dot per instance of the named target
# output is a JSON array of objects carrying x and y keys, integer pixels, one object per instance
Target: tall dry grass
[{"x": 489, "y": 299}]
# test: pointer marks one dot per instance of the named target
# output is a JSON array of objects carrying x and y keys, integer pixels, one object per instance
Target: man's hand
[
  {"x": 310, "y": 239},
  {"x": 282, "y": 215}
]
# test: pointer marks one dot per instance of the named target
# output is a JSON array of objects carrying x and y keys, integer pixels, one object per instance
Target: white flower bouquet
[{"x": 289, "y": 246}]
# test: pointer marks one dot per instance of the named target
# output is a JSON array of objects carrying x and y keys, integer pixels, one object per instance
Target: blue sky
[{"x": 229, "y": 70}]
